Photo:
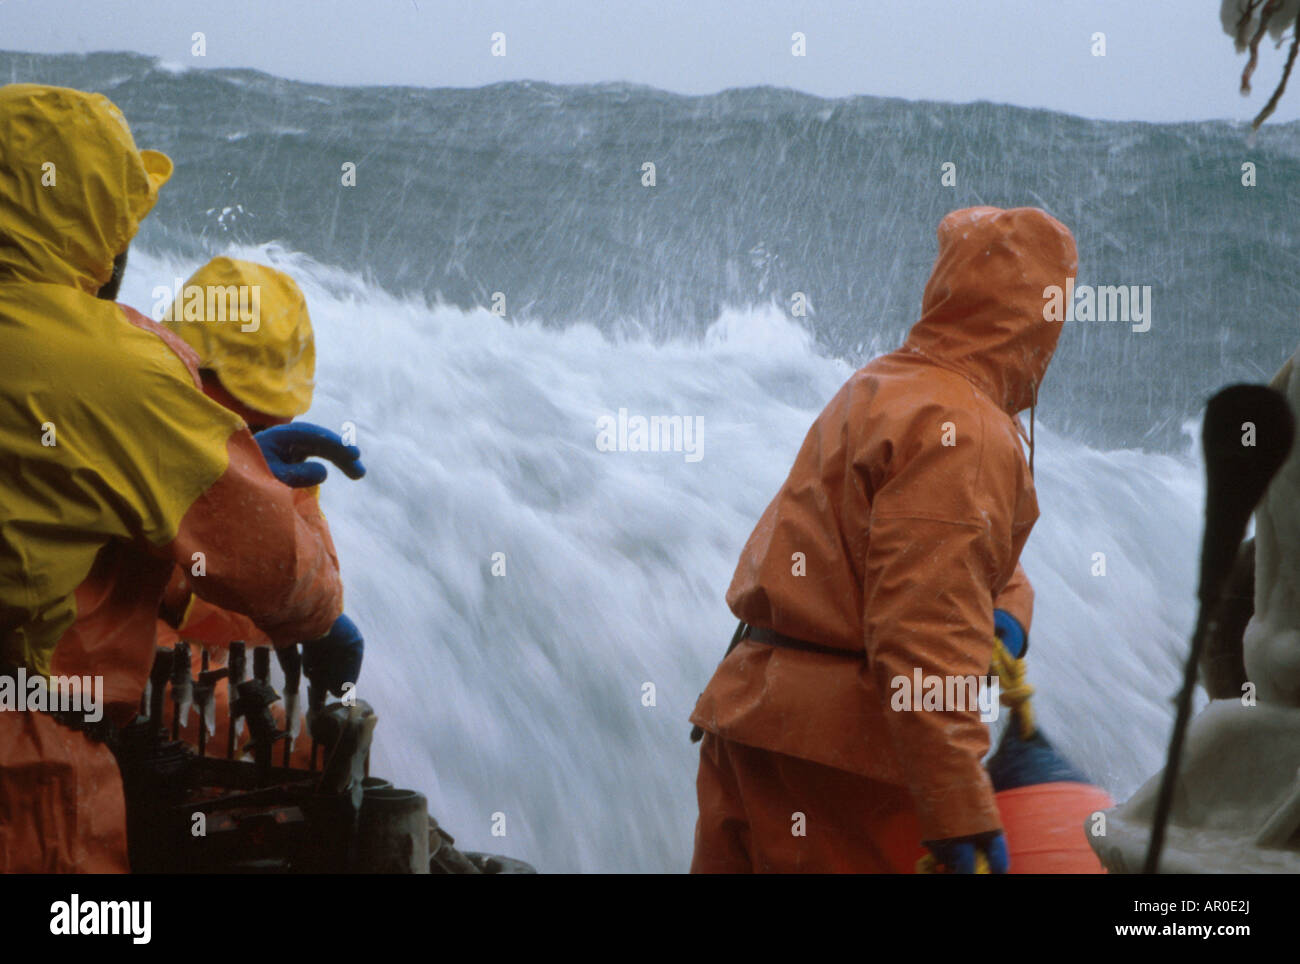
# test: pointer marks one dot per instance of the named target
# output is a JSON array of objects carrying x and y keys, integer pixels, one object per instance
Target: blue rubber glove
[
  {"x": 957, "y": 854},
  {"x": 285, "y": 448},
  {"x": 335, "y": 658},
  {"x": 1008, "y": 629}
]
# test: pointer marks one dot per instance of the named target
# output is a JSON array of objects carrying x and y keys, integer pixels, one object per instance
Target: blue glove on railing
[
  {"x": 285, "y": 448},
  {"x": 957, "y": 854},
  {"x": 1008, "y": 629},
  {"x": 335, "y": 658}
]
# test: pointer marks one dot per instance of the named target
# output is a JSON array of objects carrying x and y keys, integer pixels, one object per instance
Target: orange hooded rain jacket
[{"x": 900, "y": 524}]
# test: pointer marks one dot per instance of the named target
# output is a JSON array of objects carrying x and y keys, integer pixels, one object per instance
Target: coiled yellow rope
[{"x": 1015, "y": 690}]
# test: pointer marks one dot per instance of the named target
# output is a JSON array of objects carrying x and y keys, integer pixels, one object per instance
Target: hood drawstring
[
  {"x": 1033, "y": 406},
  {"x": 1031, "y": 435}
]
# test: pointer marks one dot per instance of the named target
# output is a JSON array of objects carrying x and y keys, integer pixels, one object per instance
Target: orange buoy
[{"x": 1045, "y": 827}]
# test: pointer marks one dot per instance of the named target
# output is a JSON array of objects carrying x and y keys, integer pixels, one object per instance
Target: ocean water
[{"x": 524, "y": 694}]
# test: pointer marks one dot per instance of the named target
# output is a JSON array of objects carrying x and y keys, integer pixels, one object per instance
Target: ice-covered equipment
[{"x": 1228, "y": 800}]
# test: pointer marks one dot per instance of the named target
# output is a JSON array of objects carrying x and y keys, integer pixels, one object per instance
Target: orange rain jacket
[
  {"x": 114, "y": 468},
  {"x": 899, "y": 525}
]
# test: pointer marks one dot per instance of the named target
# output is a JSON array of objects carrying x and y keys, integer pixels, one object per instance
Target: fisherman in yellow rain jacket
[{"x": 114, "y": 468}]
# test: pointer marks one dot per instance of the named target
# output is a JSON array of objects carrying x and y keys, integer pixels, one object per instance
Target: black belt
[{"x": 770, "y": 637}]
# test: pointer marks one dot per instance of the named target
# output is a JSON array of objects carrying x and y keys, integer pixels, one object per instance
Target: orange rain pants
[
  {"x": 64, "y": 790},
  {"x": 751, "y": 802}
]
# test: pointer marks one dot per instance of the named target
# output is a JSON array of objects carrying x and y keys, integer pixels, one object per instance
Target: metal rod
[
  {"x": 203, "y": 711},
  {"x": 236, "y": 663}
]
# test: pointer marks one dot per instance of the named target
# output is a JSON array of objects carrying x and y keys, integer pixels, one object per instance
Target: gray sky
[{"x": 1165, "y": 59}]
